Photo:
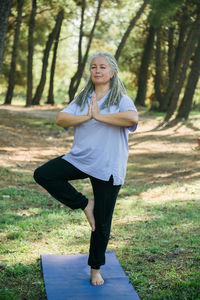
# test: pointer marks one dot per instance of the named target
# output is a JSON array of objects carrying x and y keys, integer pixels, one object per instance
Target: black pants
[{"x": 54, "y": 176}]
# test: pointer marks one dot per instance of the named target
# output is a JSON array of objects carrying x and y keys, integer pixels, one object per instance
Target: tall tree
[
  {"x": 186, "y": 103},
  {"x": 189, "y": 47},
  {"x": 82, "y": 59},
  {"x": 50, "y": 99},
  {"x": 143, "y": 74},
  {"x": 11, "y": 82},
  {"x": 178, "y": 60},
  {"x": 51, "y": 37},
  {"x": 158, "y": 67},
  {"x": 4, "y": 14},
  {"x": 30, "y": 54},
  {"x": 129, "y": 29}
]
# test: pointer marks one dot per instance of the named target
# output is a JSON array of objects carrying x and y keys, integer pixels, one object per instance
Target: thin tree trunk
[
  {"x": 158, "y": 75},
  {"x": 4, "y": 14},
  {"x": 81, "y": 32},
  {"x": 129, "y": 29},
  {"x": 30, "y": 54},
  {"x": 186, "y": 104},
  {"x": 170, "y": 52},
  {"x": 11, "y": 81},
  {"x": 50, "y": 99},
  {"x": 75, "y": 80},
  {"x": 143, "y": 75},
  {"x": 72, "y": 87},
  {"x": 189, "y": 49},
  {"x": 40, "y": 88}
]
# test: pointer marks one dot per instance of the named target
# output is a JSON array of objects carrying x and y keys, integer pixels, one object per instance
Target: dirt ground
[{"x": 29, "y": 137}]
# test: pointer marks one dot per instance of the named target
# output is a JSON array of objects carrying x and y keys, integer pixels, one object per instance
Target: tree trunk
[
  {"x": 4, "y": 14},
  {"x": 186, "y": 104},
  {"x": 180, "y": 52},
  {"x": 143, "y": 75},
  {"x": 129, "y": 29},
  {"x": 189, "y": 49},
  {"x": 158, "y": 75},
  {"x": 30, "y": 54},
  {"x": 11, "y": 80},
  {"x": 75, "y": 80},
  {"x": 170, "y": 52},
  {"x": 50, "y": 99},
  {"x": 52, "y": 35}
]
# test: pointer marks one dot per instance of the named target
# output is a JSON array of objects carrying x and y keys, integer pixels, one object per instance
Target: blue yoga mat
[{"x": 68, "y": 277}]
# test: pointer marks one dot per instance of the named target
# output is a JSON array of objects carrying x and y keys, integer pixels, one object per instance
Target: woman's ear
[{"x": 112, "y": 74}]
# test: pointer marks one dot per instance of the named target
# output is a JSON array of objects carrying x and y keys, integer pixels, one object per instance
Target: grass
[
  {"x": 155, "y": 231},
  {"x": 157, "y": 243}
]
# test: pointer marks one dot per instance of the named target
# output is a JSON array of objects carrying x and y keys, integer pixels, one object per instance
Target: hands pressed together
[
  {"x": 93, "y": 110},
  {"x": 122, "y": 119}
]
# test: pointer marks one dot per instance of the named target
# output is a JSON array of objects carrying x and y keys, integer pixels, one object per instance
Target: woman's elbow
[
  {"x": 134, "y": 118},
  {"x": 59, "y": 120}
]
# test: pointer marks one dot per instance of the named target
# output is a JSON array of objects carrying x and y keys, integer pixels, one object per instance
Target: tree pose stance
[{"x": 102, "y": 115}]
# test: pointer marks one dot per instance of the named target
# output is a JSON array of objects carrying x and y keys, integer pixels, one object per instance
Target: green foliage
[
  {"x": 114, "y": 19},
  {"x": 163, "y": 11}
]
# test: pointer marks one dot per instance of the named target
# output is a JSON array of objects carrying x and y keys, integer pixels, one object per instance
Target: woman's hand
[
  {"x": 94, "y": 106},
  {"x": 90, "y": 111}
]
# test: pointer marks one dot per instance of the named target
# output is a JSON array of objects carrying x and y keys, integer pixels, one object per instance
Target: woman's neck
[{"x": 101, "y": 91}]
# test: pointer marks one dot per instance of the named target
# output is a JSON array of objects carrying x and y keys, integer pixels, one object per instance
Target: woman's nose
[{"x": 97, "y": 70}]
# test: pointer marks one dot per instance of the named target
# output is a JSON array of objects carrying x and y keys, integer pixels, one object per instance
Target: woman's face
[{"x": 100, "y": 71}]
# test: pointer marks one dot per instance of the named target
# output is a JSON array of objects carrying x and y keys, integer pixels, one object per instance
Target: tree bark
[
  {"x": 4, "y": 14},
  {"x": 11, "y": 80},
  {"x": 170, "y": 52},
  {"x": 41, "y": 85},
  {"x": 75, "y": 80},
  {"x": 30, "y": 54},
  {"x": 81, "y": 32},
  {"x": 158, "y": 75},
  {"x": 50, "y": 99},
  {"x": 186, "y": 104},
  {"x": 143, "y": 75},
  {"x": 129, "y": 29},
  {"x": 189, "y": 49}
]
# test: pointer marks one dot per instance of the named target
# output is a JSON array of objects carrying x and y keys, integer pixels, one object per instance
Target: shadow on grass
[{"x": 21, "y": 281}]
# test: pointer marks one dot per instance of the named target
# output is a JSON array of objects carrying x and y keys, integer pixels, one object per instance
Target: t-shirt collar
[{"x": 102, "y": 99}]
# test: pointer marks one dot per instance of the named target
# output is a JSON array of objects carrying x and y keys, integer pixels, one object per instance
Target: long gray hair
[{"x": 117, "y": 88}]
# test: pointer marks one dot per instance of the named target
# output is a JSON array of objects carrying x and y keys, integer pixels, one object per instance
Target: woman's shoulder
[{"x": 126, "y": 103}]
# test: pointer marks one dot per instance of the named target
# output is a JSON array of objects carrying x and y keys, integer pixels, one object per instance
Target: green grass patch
[
  {"x": 155, "y": 232},
  {"x": 156, "y": 243}
]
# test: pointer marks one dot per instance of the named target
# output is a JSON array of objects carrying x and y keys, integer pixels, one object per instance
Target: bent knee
[{"x": 37, "y": 175}]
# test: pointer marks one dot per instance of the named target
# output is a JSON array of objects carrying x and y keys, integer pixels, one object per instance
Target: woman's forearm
[
  {"x": 125, "y": 118},
  {"x": 65, "y": 120}
]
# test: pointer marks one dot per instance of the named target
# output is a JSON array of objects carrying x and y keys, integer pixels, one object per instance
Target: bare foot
[
  {"x": 96, "y": 278},
  {"x": 89, "y": 213}
]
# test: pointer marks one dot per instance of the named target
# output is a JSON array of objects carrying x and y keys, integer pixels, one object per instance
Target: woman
[{"x": 102, "y": 115}]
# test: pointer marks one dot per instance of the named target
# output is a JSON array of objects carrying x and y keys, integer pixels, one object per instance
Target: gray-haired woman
[{"x": 102, "y": 115}]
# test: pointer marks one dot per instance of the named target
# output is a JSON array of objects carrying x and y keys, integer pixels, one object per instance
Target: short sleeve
[
  {"x": 125, "y": 104},
  {"x": 71, "y": 108}
]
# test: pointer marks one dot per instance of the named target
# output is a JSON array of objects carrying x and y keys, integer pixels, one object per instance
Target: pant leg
[
  {"x": 54, "y": 176},
  {"x": 105, "y": 195}
]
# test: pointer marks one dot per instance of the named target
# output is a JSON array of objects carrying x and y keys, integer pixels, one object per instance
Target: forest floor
[{"x": 155, "y": 231}]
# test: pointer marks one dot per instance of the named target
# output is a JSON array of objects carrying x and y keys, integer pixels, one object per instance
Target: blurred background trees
[{"x": 45, "y": 45}]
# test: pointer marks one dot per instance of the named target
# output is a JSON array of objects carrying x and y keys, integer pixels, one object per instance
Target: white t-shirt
[{"x": 99, "y": 149}]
